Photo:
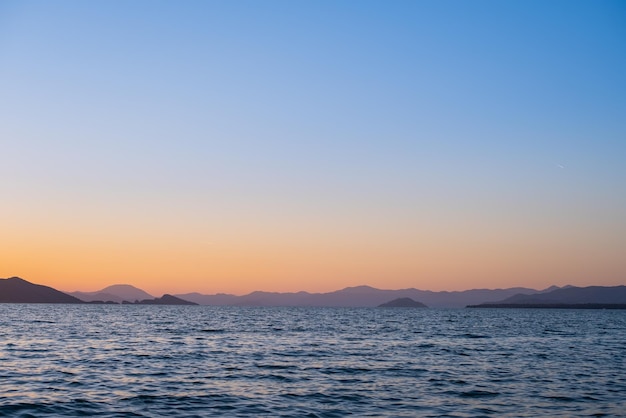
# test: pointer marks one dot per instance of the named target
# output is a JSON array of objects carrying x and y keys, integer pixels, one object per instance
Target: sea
[{"x": 202, "y": 361}]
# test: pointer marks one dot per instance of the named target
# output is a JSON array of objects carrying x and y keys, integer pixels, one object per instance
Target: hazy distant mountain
[
  {"x": 220, "y": 299},
  {"x": 115, "y": 293},
  {"x": 127, "y": 292},
  {"x": 165, "y": 300},
  {"x": 16, "y": 290},
  {"x": 96, "y": 296},
  {"x": 402, "y": 303},
  {"x": 570, "y": 295},
  {"x": 359, "y": 296}
]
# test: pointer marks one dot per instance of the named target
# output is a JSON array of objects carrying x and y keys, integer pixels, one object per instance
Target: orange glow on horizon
[
  {"x": 163, "y": 253},
  {"x": 162, "y": 266}
]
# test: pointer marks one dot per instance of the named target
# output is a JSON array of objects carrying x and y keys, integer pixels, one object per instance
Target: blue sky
[{"x": 395, "y": 122}]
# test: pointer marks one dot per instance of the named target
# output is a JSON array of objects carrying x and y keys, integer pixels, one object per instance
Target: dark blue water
[{"x": 148, "y": 361}]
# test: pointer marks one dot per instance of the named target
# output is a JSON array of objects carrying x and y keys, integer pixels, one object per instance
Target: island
[{"x": 403, "y": 303}]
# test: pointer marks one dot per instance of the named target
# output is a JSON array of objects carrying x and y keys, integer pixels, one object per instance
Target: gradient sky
[{"x": 231, "y": 146}]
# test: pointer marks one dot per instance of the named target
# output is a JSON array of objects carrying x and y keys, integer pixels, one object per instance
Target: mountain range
[
  {"x": 17, "y": 290},
  {"x": 566, "y": 297},
  {"x": 361, "y": 296}
]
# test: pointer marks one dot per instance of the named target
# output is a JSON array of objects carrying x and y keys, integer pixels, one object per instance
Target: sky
[{"x": 233, "y": 146}]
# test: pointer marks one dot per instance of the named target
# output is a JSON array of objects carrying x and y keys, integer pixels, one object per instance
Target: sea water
[{"x": 152, "y": 361}]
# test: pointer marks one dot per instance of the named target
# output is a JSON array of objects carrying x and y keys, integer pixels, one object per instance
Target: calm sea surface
[{"x": 148, "y": 361}]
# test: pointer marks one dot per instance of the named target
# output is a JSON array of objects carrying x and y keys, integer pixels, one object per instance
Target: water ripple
[{"x": 151, "y": 361}]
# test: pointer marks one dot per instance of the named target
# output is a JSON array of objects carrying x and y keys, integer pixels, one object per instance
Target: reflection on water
[{"x": 129, "y": 360}]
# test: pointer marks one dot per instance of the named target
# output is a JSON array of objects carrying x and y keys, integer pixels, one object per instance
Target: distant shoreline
[{"x": 551, "y": 305}]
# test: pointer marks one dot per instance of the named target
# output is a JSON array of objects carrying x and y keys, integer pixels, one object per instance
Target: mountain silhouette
[
  {"x": 570, "y": 295},
  {"x": 358, "y": 296},
  {"x": 17, "y": 290},
  {"x": 402, "y": 303},
  {"x": 115, "y": 293}
]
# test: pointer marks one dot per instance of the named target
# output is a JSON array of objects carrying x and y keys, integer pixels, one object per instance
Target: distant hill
[
  {"x": 115, "y": 293},
  {"x": 16, "y": 290},
  {"x": 165, "y": 300},
  {"x": 591, "y": 295},
  {"x": 402, "y": 303},
  {"x": 358, "y": 296}
]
